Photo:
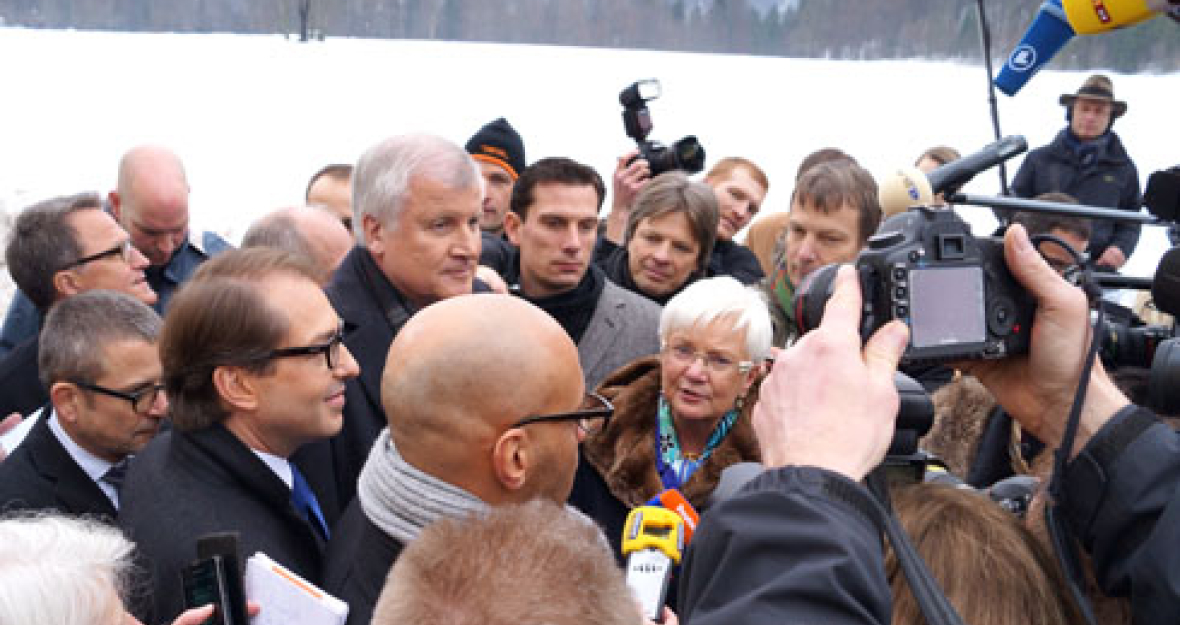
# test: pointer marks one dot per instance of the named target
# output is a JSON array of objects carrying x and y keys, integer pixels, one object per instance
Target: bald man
[
  {"x": 151, "y": 203},
  {"x": 456, "y": 442},
  {"x": 310, "y": 233}
]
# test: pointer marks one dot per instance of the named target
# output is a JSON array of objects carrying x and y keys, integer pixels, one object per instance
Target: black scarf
[{"x": 572, "y": 309}]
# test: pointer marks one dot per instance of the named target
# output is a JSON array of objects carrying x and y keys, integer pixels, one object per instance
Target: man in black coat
[
  {"x": 255, "y": 368},
  {"x": 61, "y": 247},
  {"x": 421, "y": 242},
  {"x": 100, "y": 364},
  {"x": 459, "y": 443},
  {"x": 1087, "y": 160}
]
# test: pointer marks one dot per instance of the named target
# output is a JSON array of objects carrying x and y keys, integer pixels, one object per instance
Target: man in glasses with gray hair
[
  {"x": 486, "y": 406},
  {"x": 59, "y": 248},
  {"x": 99, "y": 361}
]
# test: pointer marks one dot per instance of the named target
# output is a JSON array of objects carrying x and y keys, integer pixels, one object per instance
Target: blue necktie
[{"x": 305, "y": 502}]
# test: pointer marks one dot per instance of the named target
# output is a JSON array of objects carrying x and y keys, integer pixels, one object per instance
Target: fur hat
[
  {"x": 1096, "y": 87},
  {"x": 497, "y": 142}
]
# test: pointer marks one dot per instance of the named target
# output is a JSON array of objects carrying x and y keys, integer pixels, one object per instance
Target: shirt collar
[
  {"x": 91, "y": 464},
  {"x": 279, "y": 465}
]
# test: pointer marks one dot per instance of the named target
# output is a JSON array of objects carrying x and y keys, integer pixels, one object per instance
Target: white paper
[{"x": 286, "y": 598}]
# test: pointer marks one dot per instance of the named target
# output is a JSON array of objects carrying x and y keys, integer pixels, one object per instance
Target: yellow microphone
[{"x": 1088, "y": 17}]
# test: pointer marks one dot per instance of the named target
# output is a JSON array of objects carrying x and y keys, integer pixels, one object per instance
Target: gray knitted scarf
[{"x": 401, "y": 500}]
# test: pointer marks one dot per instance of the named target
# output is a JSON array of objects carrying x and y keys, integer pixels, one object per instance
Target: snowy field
[{"x": 254, "y": 116}]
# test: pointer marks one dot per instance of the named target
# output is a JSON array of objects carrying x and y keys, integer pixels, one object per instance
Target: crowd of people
[{"x": 437, "y": 390}]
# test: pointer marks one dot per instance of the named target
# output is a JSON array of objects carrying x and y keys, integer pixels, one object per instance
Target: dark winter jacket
[
  {"x": 1105, "y": 178},
  {"x": 795, "y": 545},
  {"x": 733, "y": 259},
  {"x": 1122, "y": 500},
  {"x": 185, "y": 485}
]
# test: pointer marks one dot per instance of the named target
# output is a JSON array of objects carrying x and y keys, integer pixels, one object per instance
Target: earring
[{"x": 740, "y": 403}]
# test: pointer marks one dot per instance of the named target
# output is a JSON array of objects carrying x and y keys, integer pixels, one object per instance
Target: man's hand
[
  {"x": 1112, "y": 257},
  {"x": 827, "y": 402},
  {"x": 6, "y": 426},
  {"x": 1038, "y": 388},
  {"x": 627, "y": 181},
  {"x": 489, "y": 277},
  {"x": 196, "y": 616}
]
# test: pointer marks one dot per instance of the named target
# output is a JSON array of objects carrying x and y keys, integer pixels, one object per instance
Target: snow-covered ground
[{"x": 254, "y": 116}]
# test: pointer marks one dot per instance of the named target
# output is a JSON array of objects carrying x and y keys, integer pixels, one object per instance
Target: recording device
[
  {"x": 216, "y": 577},
  {"x": 687, "y": 154},
  {"x": 952, "y": 289},
  {"x": 652, "y": 541}
]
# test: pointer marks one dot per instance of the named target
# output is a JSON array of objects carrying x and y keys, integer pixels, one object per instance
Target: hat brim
[{"x": 1118, "y": 107}]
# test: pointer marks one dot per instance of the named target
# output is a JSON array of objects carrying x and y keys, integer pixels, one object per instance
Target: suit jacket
[
  {"x": 184, "y": 485},
  {"x": 359, "y": 559},
  {"x": 373, "y": 312},
  {"x": 20, "y": 385},
  {"x": 625, "y": 326},
  {"x": 41, "y": 475}
]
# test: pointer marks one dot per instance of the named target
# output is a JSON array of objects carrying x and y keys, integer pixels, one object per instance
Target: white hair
[
  {"x": 704, "y": 301},
  {"x": 381, "y": 179},
  {"x": 61, "y": 570}
]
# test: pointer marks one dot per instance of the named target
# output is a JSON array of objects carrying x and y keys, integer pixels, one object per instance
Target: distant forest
[{"x": 839, "y": 29}]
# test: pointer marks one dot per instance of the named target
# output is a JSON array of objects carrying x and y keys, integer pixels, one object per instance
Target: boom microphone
[
  {"x": 904, "y": 188},
  {"x": 1048, "y": 33},
  {"x": 1088, "y": 17},
  {"x": 1058, "y": 21},
  {"x": 949, "y": 178}
]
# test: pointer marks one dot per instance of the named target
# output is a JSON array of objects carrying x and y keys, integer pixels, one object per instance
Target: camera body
[
  {"x": 952, "y": 289},
  {"x": 687, "y": 154}
]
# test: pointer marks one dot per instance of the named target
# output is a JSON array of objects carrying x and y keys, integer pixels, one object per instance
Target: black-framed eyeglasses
[
  {"x": 141, "y": 401},
  {"x": 123, "y": 250},
  {"x": 591, "y": 416},
  {"x": 330, "y": 350}
]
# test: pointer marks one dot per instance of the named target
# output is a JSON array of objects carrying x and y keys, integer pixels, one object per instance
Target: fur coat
[{"x": 624, "y": 453}]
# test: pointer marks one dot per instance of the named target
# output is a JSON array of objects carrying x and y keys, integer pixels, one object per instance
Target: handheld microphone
[
  {"x": 949, "y": 178},
  {"x": 216, "y": 577},
  {"x": 652, "y": 541},
  {"x": 671, "y": 499}
]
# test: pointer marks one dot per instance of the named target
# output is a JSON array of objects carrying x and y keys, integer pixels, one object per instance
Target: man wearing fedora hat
[{"x": 1087, "y": 160}]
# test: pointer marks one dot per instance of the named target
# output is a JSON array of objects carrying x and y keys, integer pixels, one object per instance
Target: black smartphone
[{"x": 207, "y": 581}]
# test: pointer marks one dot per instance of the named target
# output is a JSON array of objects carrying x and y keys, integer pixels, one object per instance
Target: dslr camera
[
  {"x": 686, "y": 154},
  {"x": 952, "y": 289}
]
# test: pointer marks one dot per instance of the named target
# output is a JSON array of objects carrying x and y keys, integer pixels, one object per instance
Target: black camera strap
[
  {"x": 1062, "y": 537},
  {"x": 931, "y": 599}
]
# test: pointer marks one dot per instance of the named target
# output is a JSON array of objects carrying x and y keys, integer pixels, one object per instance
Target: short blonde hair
[{"x": 536, "y": 563}]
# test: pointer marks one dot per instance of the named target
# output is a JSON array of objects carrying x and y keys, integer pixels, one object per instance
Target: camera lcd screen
[{"x": 946, "y": 306}]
